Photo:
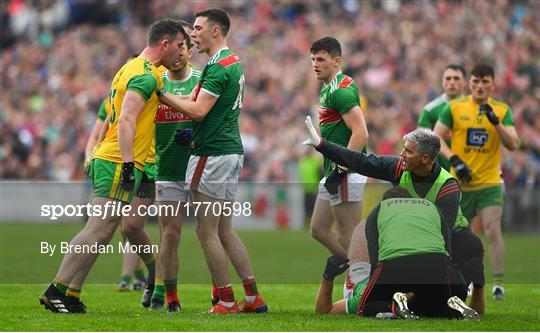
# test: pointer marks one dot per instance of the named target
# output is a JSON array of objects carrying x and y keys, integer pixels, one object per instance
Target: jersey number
[
  {"x": 238, "y": 102},
  {"x": 112, "y": 118}
]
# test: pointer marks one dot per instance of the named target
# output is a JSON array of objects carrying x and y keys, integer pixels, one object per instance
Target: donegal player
[
  {"x": 172, "y": 138},
  {"x": 479, "y": 124},
  {"x": 131, "y": 263},
  {"x": 119, "y": 159}
]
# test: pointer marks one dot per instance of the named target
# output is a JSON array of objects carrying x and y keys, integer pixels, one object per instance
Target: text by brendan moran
[{"x": 66, "y": 247}]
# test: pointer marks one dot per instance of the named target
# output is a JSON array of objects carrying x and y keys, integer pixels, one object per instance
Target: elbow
[
  {"x": 514, "y": 146},
  {"x": 364, "y": 137},
  {"x": 197, "y": 117}
]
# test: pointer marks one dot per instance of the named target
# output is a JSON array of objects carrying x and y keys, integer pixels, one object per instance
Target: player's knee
[
  {"x": 492, "y": 232},
  {"x": 130, "y": 229},
  {"x": 317, "y": 233},
  {"x": 202, "y": 232},
  {"x": 225, "y": 232},
  {"x": 344, "y": 241},
  {"x": 171, "y": 236}
]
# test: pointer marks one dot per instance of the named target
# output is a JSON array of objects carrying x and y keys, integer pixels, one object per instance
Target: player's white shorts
[
  {"x": 351, "y": 189},
  {"x": 214, "y": 176},
  {"x": 358, "y": 272},
  {"x": 171, "y": 191}
]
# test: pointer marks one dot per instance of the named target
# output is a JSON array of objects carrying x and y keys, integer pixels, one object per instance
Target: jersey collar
[
  {"x": 218, "y": 52},
  {"x": 336, "y": 75},
  {"x": 184, "y": 79}
]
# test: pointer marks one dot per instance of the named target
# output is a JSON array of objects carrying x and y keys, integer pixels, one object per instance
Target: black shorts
[{"x": 468, "y": 255}]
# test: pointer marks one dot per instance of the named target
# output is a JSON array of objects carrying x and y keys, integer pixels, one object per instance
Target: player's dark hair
[
  {"x": 187, "y": 37},
  {"x": 328, "y": 44},
  {"x": 167, "y": 28},
  {"x": 217, "y": 16},
  {"x": 483, "y": 70},
  {"x": 457, "y": 68},
  {"x": 396, "y": 192}
]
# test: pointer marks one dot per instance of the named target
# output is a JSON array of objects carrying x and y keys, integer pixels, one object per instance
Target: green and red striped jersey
[{"x": 335, "y": 99}]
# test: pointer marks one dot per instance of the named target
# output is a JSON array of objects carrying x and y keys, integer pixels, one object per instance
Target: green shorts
[
  {"x": 147, "y": 188},
  {"x": 106, "y": 180},
  {"x": 474, "y": 201},
  {"x": 351, "y": 305}
]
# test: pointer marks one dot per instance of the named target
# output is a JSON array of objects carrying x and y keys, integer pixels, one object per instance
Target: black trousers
[
  {"x": 468, "y": 256},
  {"x": 424, "y": 275}
]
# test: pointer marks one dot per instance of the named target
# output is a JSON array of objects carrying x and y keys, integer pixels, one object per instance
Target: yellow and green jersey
[
  {"x": 171, "y": 158},
  {"x": 335, "y": 99},
  {"x": 475, "y": 140},
  {"x": 139, "y": 76}
]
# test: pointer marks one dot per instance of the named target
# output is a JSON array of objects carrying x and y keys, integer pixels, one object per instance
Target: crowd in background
[{"x": 58, "y": 57}]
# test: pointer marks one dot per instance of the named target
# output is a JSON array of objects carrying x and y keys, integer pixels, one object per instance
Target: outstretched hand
[{"x": 313, "y": 137}]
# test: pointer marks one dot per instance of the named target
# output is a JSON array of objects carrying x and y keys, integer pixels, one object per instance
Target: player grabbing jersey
[
  {"x": 217, "y": 157},
  {"x": 119, "y": 159}
]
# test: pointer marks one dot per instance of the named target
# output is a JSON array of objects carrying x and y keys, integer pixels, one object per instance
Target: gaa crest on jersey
[{"x": 477, "y": 137}]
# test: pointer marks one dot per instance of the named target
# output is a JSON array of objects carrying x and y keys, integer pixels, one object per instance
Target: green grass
[{"x": 287, "y": 264}]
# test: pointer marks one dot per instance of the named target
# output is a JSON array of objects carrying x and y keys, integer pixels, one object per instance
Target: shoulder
[
  {"x": 196, "y": 73},
  {"x": 500, "y": 104},
  {"x": 343, "y": 86},
  {"x": 458, "y": 101},
  {"x": 437, "y": 102}
]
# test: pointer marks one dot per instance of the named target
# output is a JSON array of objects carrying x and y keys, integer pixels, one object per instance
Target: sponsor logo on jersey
[
  {"x": 477, "y": 137},
  {"x": 328, "y": 115},
  {"x": 167, "y": 114}
]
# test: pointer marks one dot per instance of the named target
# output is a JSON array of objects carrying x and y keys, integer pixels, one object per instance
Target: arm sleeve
[
  {"x": 215, "y": 80},
  {"x": 508, "y": 119},
  {"x": 144, "y": 85},
  {"x": 387, "y": 168},
  {"x": 448, "y": 202},
  {"x": 372, "y": 235},
  {"x": 346, "y": 99},
  {"x": 424, "y": 120},
  {"x": 446, "y": 116}
]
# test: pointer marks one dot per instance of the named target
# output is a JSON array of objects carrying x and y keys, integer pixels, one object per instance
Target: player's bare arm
[
  {"x": 93, "y": 139},
  {"x": 196, "y": 110},
  {"x": 324, "y": 304},
  {"x": 508, "y": 135},
  {"x": 354, "y": 119},
  {"x": 443, "y": 132},
  {"x": 132, "y": 105}
]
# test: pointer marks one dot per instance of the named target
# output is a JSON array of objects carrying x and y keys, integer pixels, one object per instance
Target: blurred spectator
[{"x": 58, "y": 58}]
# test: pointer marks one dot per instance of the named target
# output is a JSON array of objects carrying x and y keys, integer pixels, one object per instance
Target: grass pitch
[{"x": 288, "y": 266}]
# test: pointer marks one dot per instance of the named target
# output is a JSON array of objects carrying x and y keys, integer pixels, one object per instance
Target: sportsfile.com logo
[{"x": 117, "y": 209}]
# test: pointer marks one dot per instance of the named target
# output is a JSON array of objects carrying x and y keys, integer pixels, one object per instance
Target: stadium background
[{"x": 58, "y": 57}]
